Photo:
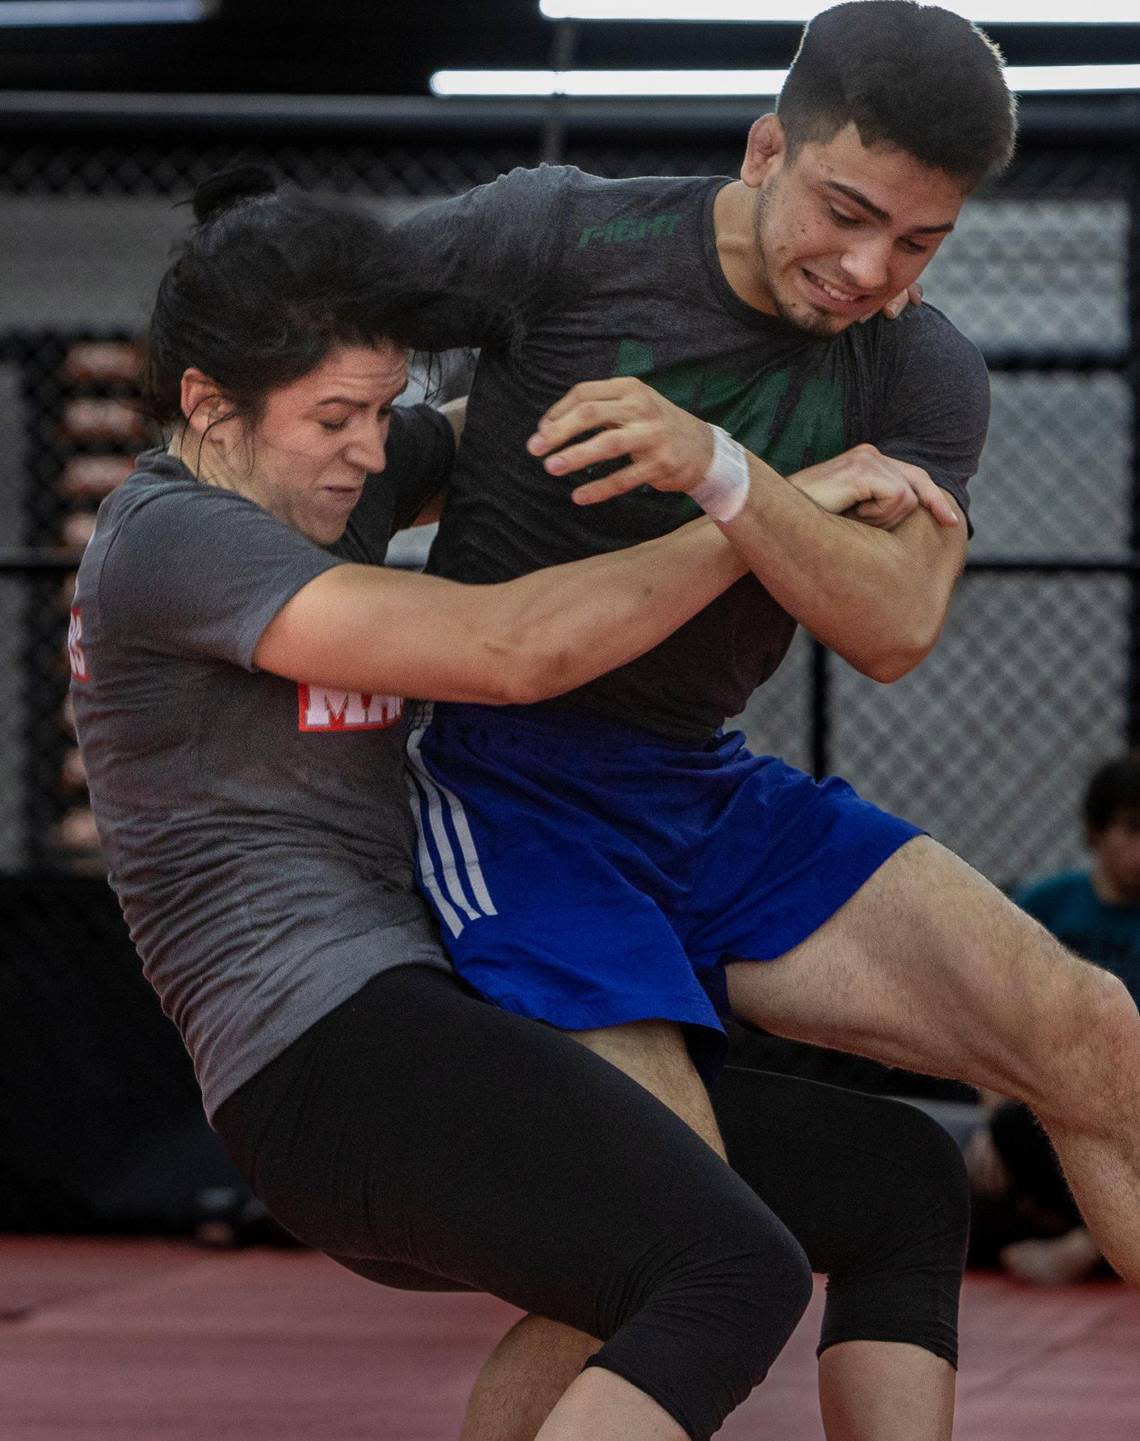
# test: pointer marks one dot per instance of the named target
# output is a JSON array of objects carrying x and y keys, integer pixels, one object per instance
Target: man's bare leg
[
  {"x": 523, "y": 1378},
  {"x": 602, "y": 1406},
  {"x": 885, "y": 1391},
  {"x": 930, "y": 967},
  {"x": 866, "y": 1387},
  {"x": 655, "y": 1055}
]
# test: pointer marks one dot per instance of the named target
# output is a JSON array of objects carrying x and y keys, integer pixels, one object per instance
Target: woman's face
[{"x": 318, "y": 438}]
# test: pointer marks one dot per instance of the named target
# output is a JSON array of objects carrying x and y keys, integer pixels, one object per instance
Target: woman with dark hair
[{"x": 239, "y": 655}]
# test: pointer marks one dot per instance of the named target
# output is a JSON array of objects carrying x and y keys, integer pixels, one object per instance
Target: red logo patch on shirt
[
  {"x": 322, "y": 709},
  {"x": 75, "y": 654}
]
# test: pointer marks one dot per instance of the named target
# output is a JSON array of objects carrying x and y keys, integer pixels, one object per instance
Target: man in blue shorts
[{"x": 613, "y": 863}]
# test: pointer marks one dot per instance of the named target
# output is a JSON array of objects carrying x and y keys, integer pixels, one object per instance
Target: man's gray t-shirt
[
  {"x": 257, "y": 831},
  {"x": 621, "y": 277}
]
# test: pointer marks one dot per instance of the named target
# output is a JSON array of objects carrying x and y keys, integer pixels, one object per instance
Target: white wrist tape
[{"x": 724, "y": 488}]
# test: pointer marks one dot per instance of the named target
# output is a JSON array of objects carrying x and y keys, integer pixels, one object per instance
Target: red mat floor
[{"x": 162, "y": 1341}]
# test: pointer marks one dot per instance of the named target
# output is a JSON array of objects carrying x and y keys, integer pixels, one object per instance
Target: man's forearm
[
  {"x": 877, "y": 594},
  {"x": 877, "y": 597}
]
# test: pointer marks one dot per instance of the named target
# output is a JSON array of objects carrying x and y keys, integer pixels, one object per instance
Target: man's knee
[
  {"x": 1113, "y": 1023},
  {"x": 1113, "y": 1011},
  {"x": 1093, "y": 1043}
]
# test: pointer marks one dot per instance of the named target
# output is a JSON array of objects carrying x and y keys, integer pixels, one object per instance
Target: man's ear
[
  {"x": 767, "y": 146},
  {"x": 202, "y": 402}
]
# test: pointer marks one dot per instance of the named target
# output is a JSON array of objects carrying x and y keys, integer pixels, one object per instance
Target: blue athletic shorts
[{"x": 586, "y": 874}]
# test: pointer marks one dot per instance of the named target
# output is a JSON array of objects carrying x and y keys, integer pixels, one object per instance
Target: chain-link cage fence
[{"x": 988, "y": 744}]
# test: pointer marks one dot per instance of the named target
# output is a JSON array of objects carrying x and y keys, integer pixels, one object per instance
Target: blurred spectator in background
[{"x": 1025, "y": 1218}]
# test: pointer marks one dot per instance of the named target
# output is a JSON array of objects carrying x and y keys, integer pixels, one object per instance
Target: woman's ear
[{"x": 202, "y": 402}]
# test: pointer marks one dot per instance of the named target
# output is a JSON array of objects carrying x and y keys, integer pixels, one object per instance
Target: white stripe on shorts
[
  {"x": 427, "y": 868},
  {"x": 428, "y": 810}
]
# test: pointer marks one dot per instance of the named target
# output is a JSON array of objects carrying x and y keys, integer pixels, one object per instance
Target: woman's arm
[{"x": 363, "y": 628}]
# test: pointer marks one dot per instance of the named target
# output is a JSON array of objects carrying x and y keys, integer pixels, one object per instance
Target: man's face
[
  {"x": 320, "y": 436},
  {"x": 1117, "y": 850},
  {"x": 842, "y": 228}
]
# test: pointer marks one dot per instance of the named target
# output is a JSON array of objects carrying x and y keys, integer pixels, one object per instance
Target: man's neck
[{"x": 734, "y": 226}]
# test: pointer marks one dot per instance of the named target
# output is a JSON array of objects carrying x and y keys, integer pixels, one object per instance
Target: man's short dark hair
[
  {"x": 913, "y": 76},
  {"x": 1115, "y": 787}
]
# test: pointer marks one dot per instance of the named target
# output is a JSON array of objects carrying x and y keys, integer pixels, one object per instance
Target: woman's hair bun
[{"x": 242, "y": 182}]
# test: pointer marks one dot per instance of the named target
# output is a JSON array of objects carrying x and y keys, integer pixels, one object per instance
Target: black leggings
[
  {"x": 873, "y": 1189},
  {"x": 428, "y": 1140}
]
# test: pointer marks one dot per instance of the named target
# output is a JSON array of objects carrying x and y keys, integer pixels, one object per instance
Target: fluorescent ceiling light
[
  {"x": 607, "y": 82},
  {"x": 991, "y": 12},
  {"x": 1023, "y": 79},
  {"x": 30, "y": 13},
  {"x": 1030, "y": 79}
]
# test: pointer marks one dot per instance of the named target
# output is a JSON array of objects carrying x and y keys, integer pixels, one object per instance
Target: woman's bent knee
[
  {"x": 765, "y": 1293},
  {"x": 713, "y": 1324}
]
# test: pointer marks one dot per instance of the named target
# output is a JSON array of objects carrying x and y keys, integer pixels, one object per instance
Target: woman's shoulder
[{"x": 162, "y": 502}]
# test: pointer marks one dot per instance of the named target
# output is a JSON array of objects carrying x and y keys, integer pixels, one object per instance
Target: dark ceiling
[{"x": 377, "y": 47}]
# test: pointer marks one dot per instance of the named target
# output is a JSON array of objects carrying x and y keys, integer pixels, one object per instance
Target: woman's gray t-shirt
[{"x": 257, "y": 830}]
